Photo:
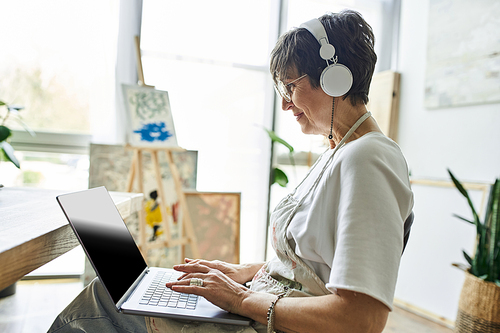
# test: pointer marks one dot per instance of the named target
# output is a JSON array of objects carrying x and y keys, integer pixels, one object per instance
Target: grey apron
[{"x": 287, "y": 272}]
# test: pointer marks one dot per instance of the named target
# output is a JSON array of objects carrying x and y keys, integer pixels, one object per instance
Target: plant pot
[{"x": 478, "y": 307}]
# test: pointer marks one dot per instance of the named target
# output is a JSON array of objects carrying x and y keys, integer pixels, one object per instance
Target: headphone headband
[{"x": 316, "y": 28}]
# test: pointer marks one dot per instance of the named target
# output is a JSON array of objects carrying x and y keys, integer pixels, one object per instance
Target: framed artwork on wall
[
  {"x": 463, "y": 54},
  {"x": 216, "y": 221},
  {"x": 150, "y": 122}
]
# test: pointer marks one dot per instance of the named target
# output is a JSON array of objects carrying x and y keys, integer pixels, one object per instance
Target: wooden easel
[{"x": 186, "y": 230}]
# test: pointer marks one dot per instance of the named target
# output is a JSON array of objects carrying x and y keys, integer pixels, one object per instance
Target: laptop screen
[{"x": 105, "y": 238}]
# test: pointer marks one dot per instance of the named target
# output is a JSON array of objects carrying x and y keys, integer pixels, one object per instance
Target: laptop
[{"x": 132, "y": 286}]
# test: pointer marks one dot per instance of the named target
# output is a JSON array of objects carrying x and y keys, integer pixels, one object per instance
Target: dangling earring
[{"x": 331, "y": 126}]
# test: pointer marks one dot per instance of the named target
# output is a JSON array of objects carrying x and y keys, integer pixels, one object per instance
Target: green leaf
[
  {"x": 462, "y": 190},
  {"x": 497, "y": 282},
  {"x": 462, "y": 267},
  {"x": 4, "y": 133},
  {"x": 276, "y": 138},
  {"x": 494, "y": 225},
  {"x": 458, "y": 185},
  {"x": 9, "y": 153},
  {"x": 463, "y": 219},
  {"x": 15, "y": 108},
  {"x": 2, "y": 103},
  {"x": 467, "y": 257},
  {"x": 280, "y": 177},
  {"x": 26, "y": 127}
]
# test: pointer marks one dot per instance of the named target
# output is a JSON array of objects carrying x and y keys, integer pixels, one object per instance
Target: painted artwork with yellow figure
[{"x": 110, "y": 165}]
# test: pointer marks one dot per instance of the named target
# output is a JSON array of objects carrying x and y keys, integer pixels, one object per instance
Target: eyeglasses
[{"x": 284, "y": 90}]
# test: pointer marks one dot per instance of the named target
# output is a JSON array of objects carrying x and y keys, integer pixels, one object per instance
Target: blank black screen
[{"x": 105, "y": 238}]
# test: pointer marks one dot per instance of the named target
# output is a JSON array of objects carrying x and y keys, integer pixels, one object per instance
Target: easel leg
[
  {"x": 161, "y": 192},
  {"x": 135, "y": 165},
  {"x": 187, "y": 226},
  {"x": 142, "y": 218},
  {"x": 131, "y": 174}
]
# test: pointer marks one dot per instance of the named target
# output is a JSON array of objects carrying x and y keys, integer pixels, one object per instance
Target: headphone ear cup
[{"x": 336, "y": 80}]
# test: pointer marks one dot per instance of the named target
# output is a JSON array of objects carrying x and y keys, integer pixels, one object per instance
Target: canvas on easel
[
  {"x": 150, "y": 122},
  {"x": 151, "y": 131},
  {"x": 185, "y": 232}
]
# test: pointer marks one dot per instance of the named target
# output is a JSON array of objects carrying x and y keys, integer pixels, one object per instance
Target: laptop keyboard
[{"x": 159, "y": 295}]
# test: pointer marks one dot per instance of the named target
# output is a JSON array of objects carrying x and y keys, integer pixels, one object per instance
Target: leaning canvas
[
  {"x": 150, "y": 122},
  {"x": 216, "y": 223}
]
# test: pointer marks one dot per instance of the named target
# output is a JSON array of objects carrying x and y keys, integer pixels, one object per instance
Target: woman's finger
[
  {"x": 187, "y": 289},
  {"x": 192, "y": 268},
  {"x": 207, "y": 263},
  {"x": 189, "y": 276},
  {"x": 185, "y": 286},
  {"x": 212, "y": 264},
  {"x": 178, "y": 283}
]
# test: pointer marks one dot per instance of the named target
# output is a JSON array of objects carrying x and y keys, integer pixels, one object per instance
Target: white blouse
[{"x": 349, "y": 230}]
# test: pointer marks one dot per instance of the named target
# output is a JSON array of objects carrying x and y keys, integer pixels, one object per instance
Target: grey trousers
[{"x": 93, "y": 311}]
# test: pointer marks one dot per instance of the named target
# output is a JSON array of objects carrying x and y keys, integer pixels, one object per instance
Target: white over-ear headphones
[{"x": 336, "y": 79}]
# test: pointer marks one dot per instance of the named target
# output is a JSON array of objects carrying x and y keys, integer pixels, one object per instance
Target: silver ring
[{"x": 196, "y": 282}]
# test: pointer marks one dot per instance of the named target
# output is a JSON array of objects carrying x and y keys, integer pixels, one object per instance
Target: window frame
[{"x": 51, "y": 142}]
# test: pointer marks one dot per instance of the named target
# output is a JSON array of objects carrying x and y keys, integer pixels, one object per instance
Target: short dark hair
[{"x": 353, "y": 40}]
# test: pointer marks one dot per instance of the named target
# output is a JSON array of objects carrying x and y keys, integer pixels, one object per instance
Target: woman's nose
[{"x": 285, "y": 106}]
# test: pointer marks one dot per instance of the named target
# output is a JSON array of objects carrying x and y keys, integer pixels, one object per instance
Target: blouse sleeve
[{"x": 374, "y": 200}]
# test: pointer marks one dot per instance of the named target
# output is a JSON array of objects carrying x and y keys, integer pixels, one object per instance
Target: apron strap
[{"x": 340, "y": 145}]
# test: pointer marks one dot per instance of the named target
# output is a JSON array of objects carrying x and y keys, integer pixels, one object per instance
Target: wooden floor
[
  {"x": 407, "y": 322},
  {"x": 36, "y": 303}
]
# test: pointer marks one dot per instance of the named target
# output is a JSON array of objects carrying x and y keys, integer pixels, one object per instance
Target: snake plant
[{"x": 486, "y": 261}]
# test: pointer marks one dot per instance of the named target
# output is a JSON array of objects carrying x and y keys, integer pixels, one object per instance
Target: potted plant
[
  {"x": 279, "y": 176},
  {"x": 479, "y": 305},
  {"x": 12, "y": 113}
]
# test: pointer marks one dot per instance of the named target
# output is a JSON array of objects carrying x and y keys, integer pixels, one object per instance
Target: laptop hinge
[{"x": 131, "y": 289}]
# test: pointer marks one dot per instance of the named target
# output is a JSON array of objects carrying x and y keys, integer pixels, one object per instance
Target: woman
[{"x": 339, "y": 235}]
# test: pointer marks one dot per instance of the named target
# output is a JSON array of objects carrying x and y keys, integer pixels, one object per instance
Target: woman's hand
[
  {"x": 238, "y": 273},
  {"x": 218, "y": 287}
]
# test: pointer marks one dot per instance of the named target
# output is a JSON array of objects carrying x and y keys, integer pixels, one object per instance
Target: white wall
[{"x": 464, "y": 139}]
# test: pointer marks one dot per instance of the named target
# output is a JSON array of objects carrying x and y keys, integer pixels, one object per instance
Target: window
[
  {"x": 212, "y": 58},
  {"x": 52, "y": 59},
  {"x": 57, "y": 61}
]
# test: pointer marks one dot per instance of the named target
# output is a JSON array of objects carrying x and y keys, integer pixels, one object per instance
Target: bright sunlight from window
[{"x": 51, "y": 58}]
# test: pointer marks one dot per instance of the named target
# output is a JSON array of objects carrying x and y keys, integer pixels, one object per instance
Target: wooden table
[{"x": 34, "y": 230}]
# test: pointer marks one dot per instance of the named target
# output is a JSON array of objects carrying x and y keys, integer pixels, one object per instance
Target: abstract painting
[
  {"x": 149, "y": 117},
  {"x": 463, "y": 53},
  {"x": 216, "y": 221}
]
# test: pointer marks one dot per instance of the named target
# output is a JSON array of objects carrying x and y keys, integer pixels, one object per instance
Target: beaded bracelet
[{"x": 270, "y": 313}]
